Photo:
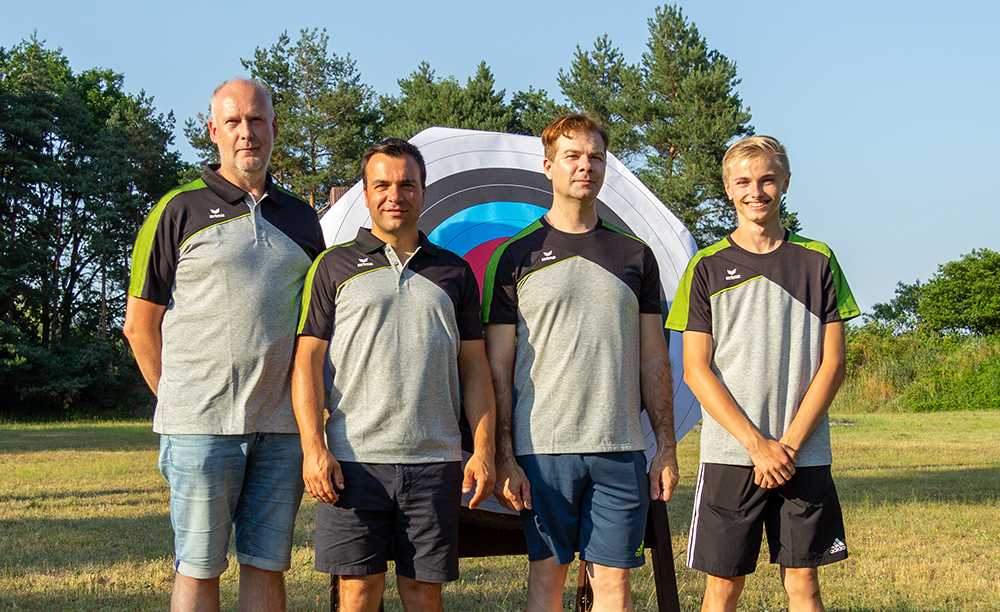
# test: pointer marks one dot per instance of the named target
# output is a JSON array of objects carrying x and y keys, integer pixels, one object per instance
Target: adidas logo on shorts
[{"x": 837, "y": 547}]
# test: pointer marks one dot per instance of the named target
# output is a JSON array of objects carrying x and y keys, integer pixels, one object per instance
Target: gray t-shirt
[
  {"x": 576, "y": 300},
  {"x": 395, "y": 331},
  {"x": 230, "y": 272},
  {"x": 766, "y": 315}
]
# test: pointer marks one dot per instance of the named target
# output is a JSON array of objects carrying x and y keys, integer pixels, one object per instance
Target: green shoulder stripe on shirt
[
  {"x": 307, "y": 288},
  {"x": 290, "y": 193},
  {"x": 144, "y": 241},
  {"x": 621, "y": 231},
  {"x": 491, "y": 268},
  {"x": 846, "y": 304},
  {"x": 677, "y": 319}
]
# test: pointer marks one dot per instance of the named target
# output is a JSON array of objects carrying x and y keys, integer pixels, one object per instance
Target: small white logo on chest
[
  {"x": 733, "y": 275},
  {"x": 547, "y": 256},
  {"x": 216, "y": 214},
  {"x": 364, "y": 262}
]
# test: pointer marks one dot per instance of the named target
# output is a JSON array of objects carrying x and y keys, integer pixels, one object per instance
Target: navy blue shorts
[
  {"x": 803, "y": 519},
  {"x": 415, "y": 507},
  {"x": 596, "y": 503}
]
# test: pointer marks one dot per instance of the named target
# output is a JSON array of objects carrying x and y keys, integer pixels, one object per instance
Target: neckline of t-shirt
[
  {"x": 581, "y": 236},
  {"x": 774, "y": 253}
]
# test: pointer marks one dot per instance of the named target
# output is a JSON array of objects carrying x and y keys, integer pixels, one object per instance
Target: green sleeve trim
[
  {"x": 144, "y": 241},
  {"x": 677, "y": 318},
  {"x": 846, "y": 304},
  {"x": 307, "y": 287},
  {"x": 491, "y": 269},
  {"x": 291, "y": 193}
]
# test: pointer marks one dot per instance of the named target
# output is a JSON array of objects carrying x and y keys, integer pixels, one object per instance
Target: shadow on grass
[
  {"x": 45, "y": 544},
  {"x": 85, "y": 437},
  {"x": 76, "y": 601},
  {"x": 88, "y": 495},
  {"x": 955, "y": 485}
]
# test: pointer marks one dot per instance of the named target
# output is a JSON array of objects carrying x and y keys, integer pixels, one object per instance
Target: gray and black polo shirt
[
  {"x": 230, "y": 272},
  {"x": 394, "y": 332},
  {"x": 766, "y": 314},
  {"x": 576, "y": 300}
]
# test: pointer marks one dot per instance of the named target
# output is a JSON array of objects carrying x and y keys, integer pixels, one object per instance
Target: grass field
[{"x": 84, "y": 524}]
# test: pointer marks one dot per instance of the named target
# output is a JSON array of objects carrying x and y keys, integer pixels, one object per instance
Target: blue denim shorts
[
  {"x": 252, "y": 481},
  {"x": 596, "y": 503}
]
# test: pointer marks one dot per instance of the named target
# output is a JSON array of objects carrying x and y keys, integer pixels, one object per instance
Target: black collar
[
  {"x": 229, "y": 192},
  {"x": 369, "y": 243}
]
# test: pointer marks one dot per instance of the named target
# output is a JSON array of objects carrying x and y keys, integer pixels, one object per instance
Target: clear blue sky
[{"x": 888, "y": 109}]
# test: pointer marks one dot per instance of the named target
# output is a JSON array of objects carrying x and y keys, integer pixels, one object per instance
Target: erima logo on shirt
[
  {"x": 364, "y": 262},
  {"x": 837, "y": 547},
  {"x": 733, "y": 275},
  {"x": 547, "y": 256},
  {"x": 216, "y": 214}
]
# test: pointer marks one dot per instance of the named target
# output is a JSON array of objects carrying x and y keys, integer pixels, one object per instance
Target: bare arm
[
  {"x": 822, "y": 389},
  {"x": 774, "y": 462},
  {"x": 512, "y": 488},
  {"x": 143, "y": 321},
  {"x": 318, "y": 464},
  {"x": 480, "y": 410},
  {"x": 658, "y": 397}
]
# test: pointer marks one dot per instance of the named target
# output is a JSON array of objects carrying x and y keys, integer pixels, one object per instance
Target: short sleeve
[
  {"x": 154, "y": 257},
  {"x": 500, "y": 289},
  {"x": 692, "y": 307},
  {"x": 319, "y": 298},
  {"x": 840, "y": 302},
  {"x": 649, "y": 291},
  {"x": 467, "y": 315}
]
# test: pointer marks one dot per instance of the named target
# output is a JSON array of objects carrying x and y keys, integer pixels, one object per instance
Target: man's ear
[{"x": 547, "y": 166}]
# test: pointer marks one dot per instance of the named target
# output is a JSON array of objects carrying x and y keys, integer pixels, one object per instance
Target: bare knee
[
  {"x": 418, "y": 596},
  {"x": 361, "y": 593},
  {"x": 722, "y": 593},
  {"x": 612, "y": 588},
  {"x": 802, "y": 586},
  {"x": 546, "y": 580}
]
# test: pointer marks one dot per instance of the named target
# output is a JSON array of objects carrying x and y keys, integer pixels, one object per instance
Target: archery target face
[{"x": 484, "y": 187}]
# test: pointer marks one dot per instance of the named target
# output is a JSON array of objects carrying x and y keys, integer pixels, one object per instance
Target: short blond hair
[{"x": 755, "y": 147}]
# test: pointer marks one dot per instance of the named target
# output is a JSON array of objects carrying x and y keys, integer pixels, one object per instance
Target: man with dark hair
[
  {"x": 397, "y": 317},
  {"x": 217, "y": 276},
  {"x": 577, "y": 301},
  {"x": 763, "y": 314}
]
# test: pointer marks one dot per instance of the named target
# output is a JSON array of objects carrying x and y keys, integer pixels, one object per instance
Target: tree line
[{"x": 82, "y": 161}]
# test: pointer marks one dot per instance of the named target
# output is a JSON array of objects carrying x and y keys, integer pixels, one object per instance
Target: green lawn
[{"x": 84, "y": 524}]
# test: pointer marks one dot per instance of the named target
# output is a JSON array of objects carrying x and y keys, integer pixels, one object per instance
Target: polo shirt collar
[
  {"x": 229, "y": 192},
  {"x": 369, "y": 243}
]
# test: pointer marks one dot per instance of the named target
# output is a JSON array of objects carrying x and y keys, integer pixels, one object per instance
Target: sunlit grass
[{"x": 84, "y": 524}]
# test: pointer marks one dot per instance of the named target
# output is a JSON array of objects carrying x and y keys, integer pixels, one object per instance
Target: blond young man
[
  {"x": 577, "y": 302},
  {"x": 763, "y": 314}
]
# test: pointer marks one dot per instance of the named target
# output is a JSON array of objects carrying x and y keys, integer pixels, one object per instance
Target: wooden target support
[{"x": 478, "y": 540}]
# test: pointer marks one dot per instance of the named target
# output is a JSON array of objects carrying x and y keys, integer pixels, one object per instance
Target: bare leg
[
  {"x": 261, "y": 590},
  {"x": 722, "y": 593},
  {"x": 361, "y": 593},
  {"x": 194, "y": 594},
  {"x": 802, "y": 586},
  {"x": 612, "y": 589},
  {"x": 546, "y": 581},
  {"x": 419, "y": 596}
]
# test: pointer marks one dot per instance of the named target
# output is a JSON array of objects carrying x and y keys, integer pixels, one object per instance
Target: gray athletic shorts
[
  {"x": 414, "y": 508},
  {"x": 805, "y": 526}
]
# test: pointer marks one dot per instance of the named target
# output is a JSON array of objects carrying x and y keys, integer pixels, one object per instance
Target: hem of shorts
[
  {"x": 435, "y": 578},
  {"x": 337, "y": 569},
  {"x": 724, "y": 572},
  {"x": 631, "y": 563},
  {"x": 548, "y": 554},
  {"x": 200, "y": 573},
  {"x": 813, "y": 561},
  {"x": 268, "y": 565}
]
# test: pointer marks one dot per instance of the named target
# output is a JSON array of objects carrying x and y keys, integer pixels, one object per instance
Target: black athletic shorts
[
  {"x": 415, "y": 507},
  {"x": 805, "y": 526}
]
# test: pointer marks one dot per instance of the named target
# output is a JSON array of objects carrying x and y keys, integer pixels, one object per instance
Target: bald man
[{"x": 217, "y": 276}]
